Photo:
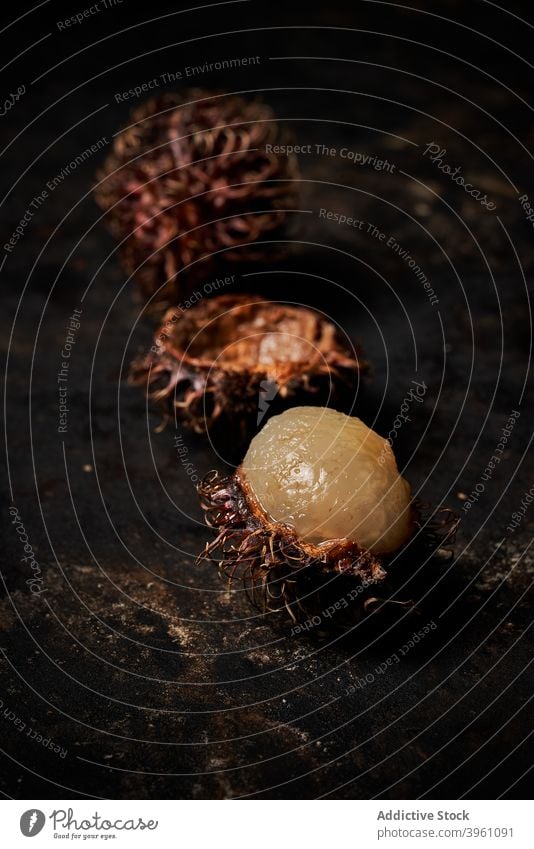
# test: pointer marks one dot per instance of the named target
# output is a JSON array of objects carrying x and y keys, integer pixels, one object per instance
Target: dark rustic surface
[{"x": 136, "y": 661}]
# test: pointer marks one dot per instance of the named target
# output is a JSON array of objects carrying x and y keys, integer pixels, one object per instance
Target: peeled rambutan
[
  {"x": 317, "y": 518},
  {"x": 193, "y": 176},
  {"x": 227, "y": 363}
]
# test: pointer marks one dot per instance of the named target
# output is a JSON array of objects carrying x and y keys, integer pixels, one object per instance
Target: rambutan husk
[
  {"x": 189, "y": 183},
  {"x": 336, "y": 583},
  {"x": 204, "y": 368}
]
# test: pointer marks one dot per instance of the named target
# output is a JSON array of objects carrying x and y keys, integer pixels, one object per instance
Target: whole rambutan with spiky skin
[
  {"x": 191, "y": 178},
  {"x": 228, "y": 363}
]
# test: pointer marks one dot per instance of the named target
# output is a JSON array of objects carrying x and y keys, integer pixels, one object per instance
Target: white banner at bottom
[{"x": 260, "y": 824}]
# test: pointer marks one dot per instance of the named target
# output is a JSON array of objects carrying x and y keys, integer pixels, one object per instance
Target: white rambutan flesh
[{"x": 329, "y": 476}]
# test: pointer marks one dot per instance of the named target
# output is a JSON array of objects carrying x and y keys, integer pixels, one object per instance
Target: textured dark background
[{"x": 136, "y": 661}]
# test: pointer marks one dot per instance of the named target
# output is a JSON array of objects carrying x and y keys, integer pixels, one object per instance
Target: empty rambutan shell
[
  {"x": 262, "y": 519},
  {"x": 228, "y": 363},
  {"x": 193, "y": 177}
]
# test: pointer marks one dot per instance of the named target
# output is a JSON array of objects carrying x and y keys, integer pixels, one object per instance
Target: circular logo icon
[{"x": 31, "y": 822}]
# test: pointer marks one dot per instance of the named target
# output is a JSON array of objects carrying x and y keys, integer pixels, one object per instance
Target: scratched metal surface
[{"x": 134, "y": 663}]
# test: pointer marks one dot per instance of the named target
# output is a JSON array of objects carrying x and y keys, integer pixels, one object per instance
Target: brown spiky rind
[
  {"x": 190, "y": 177},
  {"x": 281, "y": 572},
  {"x": 187, "y": 374}
]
